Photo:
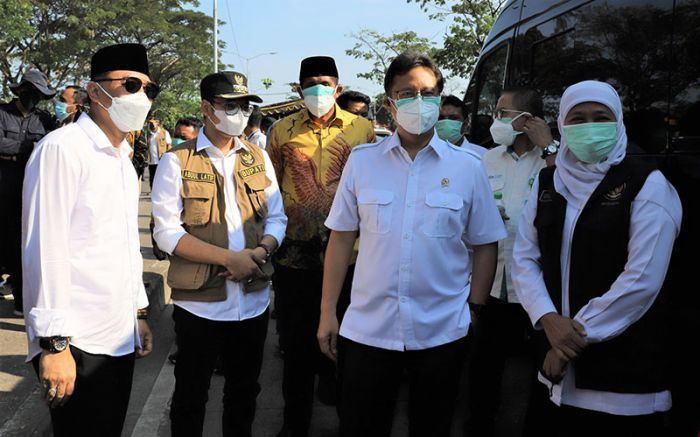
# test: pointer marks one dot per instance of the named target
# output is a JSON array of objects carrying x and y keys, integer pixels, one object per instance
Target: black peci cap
[
  {"x": 317, "y": 66},
  {"x": 227, "y": 85},
  {"x": 130, "y": 57}
]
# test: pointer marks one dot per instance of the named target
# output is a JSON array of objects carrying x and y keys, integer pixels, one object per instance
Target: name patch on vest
[
  {"x": 247, "y": 172},
  {"x": 199, "y": 177}
]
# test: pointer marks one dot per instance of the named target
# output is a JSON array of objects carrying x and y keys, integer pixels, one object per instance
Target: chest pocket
[
  {"x": 442, "y": 219},
  {"x": 197, "y": 201},
  {"x": 255, "y": 190},
  {"x": 375, "y": 208}
]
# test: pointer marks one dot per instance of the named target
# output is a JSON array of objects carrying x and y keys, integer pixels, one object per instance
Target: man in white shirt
[
  {"x": 85, "y": 302},
  {"x": 159, "y": 142},
  {"x": 512, "y": 168},
  {"x": 253, "y": 132},
  {"x": 453, "y": 112},
  {"x": 419, "y": 203},
  {"x": 218, "y": 212}
]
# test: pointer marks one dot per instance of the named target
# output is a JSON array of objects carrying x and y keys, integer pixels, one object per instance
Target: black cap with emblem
[{"x": 227, "y": 85}]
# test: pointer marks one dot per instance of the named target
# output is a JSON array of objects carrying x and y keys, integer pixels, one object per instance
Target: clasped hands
[
  {"x": 568, "y": 340},
  {"x": 244, "y": 265}
]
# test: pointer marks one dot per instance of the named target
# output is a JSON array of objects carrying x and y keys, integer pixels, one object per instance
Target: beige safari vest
[{"x": 203, "y": 217}]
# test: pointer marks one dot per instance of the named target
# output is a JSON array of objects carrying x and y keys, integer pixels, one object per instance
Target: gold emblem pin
[
  {"x": 247, "y": 158},
  {"x": 445, "y": 182},
  {"x": 238, "y": 79}
]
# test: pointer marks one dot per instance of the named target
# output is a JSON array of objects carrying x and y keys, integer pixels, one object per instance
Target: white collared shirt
[
  {"x": 416, "y": 218},
  {"x": 654, "y": 225},
  {"x": 83, "y": 270},
  {"x": 512, "y": 176},
  {"x": 167, "y": 211},
  {"x": 479, "y": 150},
  {"x": 258, "y": 138}
]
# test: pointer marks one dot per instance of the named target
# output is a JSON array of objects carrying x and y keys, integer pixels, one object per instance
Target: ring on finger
[{"x": 52, "y": 392}]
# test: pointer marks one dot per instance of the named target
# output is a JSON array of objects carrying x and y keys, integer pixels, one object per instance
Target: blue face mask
[
  {"x": 591, "y": 142},
  {"x": 177, "y": 141},
  {"x": 61, "y": 110},
  {"x": 449, "y": 130}
]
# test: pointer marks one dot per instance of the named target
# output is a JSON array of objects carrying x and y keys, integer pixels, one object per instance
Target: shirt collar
[
  {"x": 204, "y": 142},
  {"x": 438, "y": 145},
  {"x": 98, "y": 137}
]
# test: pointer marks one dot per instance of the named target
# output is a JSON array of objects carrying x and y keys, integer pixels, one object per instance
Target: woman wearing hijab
[{"x": 589, "y": 260}]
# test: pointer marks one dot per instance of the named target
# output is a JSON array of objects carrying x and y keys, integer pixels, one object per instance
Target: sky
[{"x": 295, "y": 29}]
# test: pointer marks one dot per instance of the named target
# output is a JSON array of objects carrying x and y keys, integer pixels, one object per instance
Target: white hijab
[{"x": 574, "y": 179}]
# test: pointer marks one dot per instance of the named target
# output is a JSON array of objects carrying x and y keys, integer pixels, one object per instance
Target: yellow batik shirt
[{"x": 308, "y": 162}]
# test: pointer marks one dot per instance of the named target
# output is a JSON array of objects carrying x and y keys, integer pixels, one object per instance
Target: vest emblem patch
[
  {"x": 199, "y": 177},
  {"x": 545, "y": 196},
  {"x": 247, "y": 172},
  {"x": 247, "y": 158},
  {"x": 615, "y": 193}
]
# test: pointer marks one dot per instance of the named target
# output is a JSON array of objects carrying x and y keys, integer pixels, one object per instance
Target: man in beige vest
[{"x": 218, "y": 212}]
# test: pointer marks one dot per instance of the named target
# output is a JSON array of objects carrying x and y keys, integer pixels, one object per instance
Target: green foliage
[
  {"x": 60, "y": 37},
  {"x": 471, "y": 22},
  {"x": 371, "y": 45},
  {"x": 267, "y": 82}
]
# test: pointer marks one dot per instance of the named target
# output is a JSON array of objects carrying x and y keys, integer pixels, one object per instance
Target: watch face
[{"x": 60, "y": 344}]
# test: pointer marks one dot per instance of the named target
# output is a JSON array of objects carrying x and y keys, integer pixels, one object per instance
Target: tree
[
  {"x": 62, "y": 35},
  {"x": 382, "y": 49},
  {"x": 471, "y": 23}
]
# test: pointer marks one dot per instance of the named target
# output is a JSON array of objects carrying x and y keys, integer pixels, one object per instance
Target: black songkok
[
  {"x": 130, "y": 57},
  {"x": 317, "y": 66}
]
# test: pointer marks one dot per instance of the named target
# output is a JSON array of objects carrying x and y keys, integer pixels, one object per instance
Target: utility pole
[{"x": 216, "y": 41}]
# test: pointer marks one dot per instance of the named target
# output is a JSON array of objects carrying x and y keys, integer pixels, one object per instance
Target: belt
[{"x": 9, "y": 158}]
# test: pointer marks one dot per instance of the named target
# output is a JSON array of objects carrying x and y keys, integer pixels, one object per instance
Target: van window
[{"x": 490, "y": 79}]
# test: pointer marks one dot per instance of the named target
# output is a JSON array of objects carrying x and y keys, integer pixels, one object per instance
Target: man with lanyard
[
  {"x": 22, "y": 125},
  {"x": 449, "y": 127},
  {"x": 85, "y": 299},
  {"x": 308, "y": 149},
  {"x": 218, "y": 212},
  {"x": 252, "y": 131},
  {"x": 525, "y": 147},
  {"x": 159, "y": 142},
  {"x": 420, "y": 205}
]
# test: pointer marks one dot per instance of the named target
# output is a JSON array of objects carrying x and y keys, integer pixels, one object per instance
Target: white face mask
[
  {"x": 319, "y": 99},
  {"x": 128, "y": 112},
  {"x": 419, "y": 114},
  {"x": 502, "y": 130},
  {"x": 232, "y": 125}
]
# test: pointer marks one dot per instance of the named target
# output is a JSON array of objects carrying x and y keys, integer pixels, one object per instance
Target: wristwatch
[
  {"x": 550, "y": 149},
  {"x": 54, "y": 344},
  {"x": 268, "y": 252}
]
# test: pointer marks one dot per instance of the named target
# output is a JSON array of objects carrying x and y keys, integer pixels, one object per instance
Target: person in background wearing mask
[
  {"x": 72, "y": 102},
  {"x": 253, "y": 132},
  {"x": 22, "y": 125},
  {"x": 449, "y": 127},
  {"x": 218, "y": 213},
  {"x": 85, "y": 302},
  {"x": 266, "y": 124},
  {"x": 309, "y": 149},
  {"x": 355, "y": 103},
  {"x": 512, "y": 167},
  {"x": 590, "y": 258},
  {"x": 419, "y": 204},
  {"x": 186, "y": 128},
  {"x": 159, "y": 142}
]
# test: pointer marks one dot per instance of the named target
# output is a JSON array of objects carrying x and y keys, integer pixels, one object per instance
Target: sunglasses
[{"x": 134, "y": 85}]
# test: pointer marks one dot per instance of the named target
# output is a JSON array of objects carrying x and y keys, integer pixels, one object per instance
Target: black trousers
[
  {"x": 200, "y": 341},
  {"x": 100, "y": 399},
  {"x": 152, "y": 173},
  {"x": 370, "y": 379},
  {"x": 298, "y": 300},
  {"x": 504, "y": 329},
  {"x": 11, "y": 178}
]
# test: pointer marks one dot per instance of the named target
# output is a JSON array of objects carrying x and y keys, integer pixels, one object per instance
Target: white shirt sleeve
[
  {"x": 654, "y": 226},
  {"x": 276, "y": 222},
  {"x": 167, "y": 137},
  {"x": 526, "y": 271},
  {"x": 51, "y": 185},
  {"x": 167, "y": 203},
  {"x": 484, "y": 223},
  {"x": 344, "y": 215}
]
